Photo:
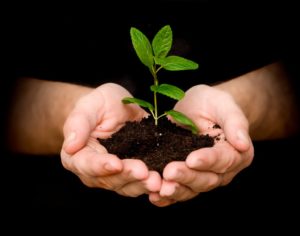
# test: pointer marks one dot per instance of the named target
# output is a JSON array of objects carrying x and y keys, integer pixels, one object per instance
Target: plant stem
[{"x": 154, "y": 74}]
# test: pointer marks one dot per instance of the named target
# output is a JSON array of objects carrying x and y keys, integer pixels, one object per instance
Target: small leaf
[
  {"x": 162, "y": 42},
  {"x": 142, "y": 47},
  {"x": 184, "y": 120},
  {"x": 139, "y": 102},
  {"x": 176, "y": 63},
  {"x": 168, "y": 90}
]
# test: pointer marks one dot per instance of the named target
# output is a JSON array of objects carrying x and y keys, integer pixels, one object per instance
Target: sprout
[{"x": 155, "y": 57}]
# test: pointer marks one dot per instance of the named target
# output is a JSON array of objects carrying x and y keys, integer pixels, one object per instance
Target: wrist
[
  {"x": 253, "y": 103},
  {"x": 267, "y": 100}
]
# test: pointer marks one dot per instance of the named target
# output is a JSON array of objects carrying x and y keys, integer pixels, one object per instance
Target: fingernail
[
  {"x": 109, "y": 167},
  {"x": 242, "y": 137},
  {"x": 179, "y": 174},
  {"x": 155, "y": 198},
  {"x": 168, "y": 190},
  {"x": 70, "y": 138},
  {"x": 195, "y": 163}
]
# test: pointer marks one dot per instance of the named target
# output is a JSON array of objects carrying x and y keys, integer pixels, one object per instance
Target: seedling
[{"x": 155, "y": 57}]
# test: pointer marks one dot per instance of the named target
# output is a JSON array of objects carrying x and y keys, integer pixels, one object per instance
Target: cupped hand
[
  {"x": 208, "y": 168},
  {"x": 98, "y": 115}
]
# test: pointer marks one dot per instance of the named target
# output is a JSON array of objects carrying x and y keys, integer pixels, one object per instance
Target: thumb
[
  {"x": 77, "y": 130},
  {"x": 235, "y": 126}
]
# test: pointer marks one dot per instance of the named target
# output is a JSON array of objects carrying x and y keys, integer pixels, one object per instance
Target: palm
[
  {"x": 98, "y": 115},
  {"x": 207, "y": 168}
]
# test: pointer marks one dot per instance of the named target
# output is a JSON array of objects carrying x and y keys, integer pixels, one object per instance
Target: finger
[
  {"x": 220, "y": 158},
  {"x": 134, "y": 189},
  {"x": 197, "y": 181},
  {"x": 107, "y": 128},
  {"x": 153, "y": 182},
  {"x": 183, "y": 193},
  {"x": 222, "y": 110},
  {"x": 227, "y": 178},
  {"x": 126, "y": 112},
  {"x": 136, "y": 169},
  {"x": 88, "y": 162},
  {"x": 235, "y": 126},
  {"x": 175, "y": 191},
  {"x": 133, "y": 170},
  {"x": 113, "y": 122},
  {"x": 168, "y": 188},
  {"x": 159, "y": 201},
  {"x": 77, "y": 131},
  {"x": 247, "y": 160}
]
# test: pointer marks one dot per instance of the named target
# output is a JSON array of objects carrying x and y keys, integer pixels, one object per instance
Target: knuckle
[
  {"x": 87, "y": 182},
  {"x": 213, "y": 182},
  {"x": 65, "y": 164},
  {"x": 227, "y": 179},
  {"x": 228, "y": 163}
]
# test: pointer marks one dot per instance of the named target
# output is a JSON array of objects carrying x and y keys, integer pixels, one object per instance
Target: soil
[{"x": 155, "y": 145}]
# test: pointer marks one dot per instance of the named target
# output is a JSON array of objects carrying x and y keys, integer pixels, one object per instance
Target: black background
[{"x": 90, "y": 44}]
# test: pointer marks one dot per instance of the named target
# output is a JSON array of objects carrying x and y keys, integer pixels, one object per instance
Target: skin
[
  {"x": 40, "y": 106},
  {"x": 98, "y": 115},
  {"x": 72, "y": 115},
  {"x": 208, "y": 168},
  {"x": 241, "y": 107},
  {"x": 75, "y": 116}
]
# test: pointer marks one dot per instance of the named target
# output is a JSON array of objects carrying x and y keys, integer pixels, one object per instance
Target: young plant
[{"x": 155, "y": 57}]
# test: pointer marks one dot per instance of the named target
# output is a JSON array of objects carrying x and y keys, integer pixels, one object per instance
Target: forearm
[
  {"x": 37, "y": 115},
  {"x": 267, "y": 99}
]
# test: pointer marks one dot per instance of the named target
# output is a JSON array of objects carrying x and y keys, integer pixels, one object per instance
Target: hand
[
  {"x": 208, "y": 168},
  {"x": 98, "y": 115}
]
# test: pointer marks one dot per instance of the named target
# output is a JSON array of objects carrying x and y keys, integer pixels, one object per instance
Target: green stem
[
  {"x": 153, "y": 72},
  {"x": 159, "y": 69},
  {"x": 152, "y": 113},
  {"x": 162, "y": 115}
]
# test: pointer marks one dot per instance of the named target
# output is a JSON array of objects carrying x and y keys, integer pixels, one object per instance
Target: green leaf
[
  {"x": 168, "y": 90},
  {"x": 184, "y": 120},
  {"x": 139, "y": 102},
  {"x": 162, "y": 42},
  {"x": 142, "y": 47},
  {"x": 176, "y": 63}
]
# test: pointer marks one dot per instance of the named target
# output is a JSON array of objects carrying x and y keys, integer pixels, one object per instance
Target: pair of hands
[{"x": 101, "y": 113}]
